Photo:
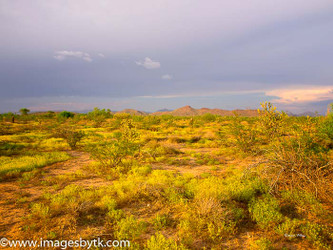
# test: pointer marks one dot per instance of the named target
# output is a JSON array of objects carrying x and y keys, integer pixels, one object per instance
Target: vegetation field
[{"x": 169, "y": 182}]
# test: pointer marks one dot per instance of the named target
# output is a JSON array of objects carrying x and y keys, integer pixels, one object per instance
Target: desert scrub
[
  {"x": 15, "y": 165},
  {"x": 64, "y": 179},
  {"x": 70, "y": 134},
  {"x": 161, "y": 221},
  {"x": 78, "y": 203},
  {"x": 52, "y": 144},
  {"x": 265, "y": 211},
  {"x": 319, "y": 235},
  {"x": 209, "y": 220},
  {"x": 158, "y": 241},
  {"x": 27, "y": 176},
  {"x": 8, "y": 149},
  {"x": 289, "y": 227},
  {"x": 246, "y": 188},
  {"x": 205, "y": 159},
  {"x": 305, "y": 204},
  {"x": 141, "y": 170},
  {"x": 261, "y": 244},
  {"x": 245, "y": 134},
  {"x": 155, "y": 149},
  {"x": 130, "y": 228},
  {"x": 39, "y": 210},
  {"x": 205, "y": 188},
  {"x": 108, "y": 203}
]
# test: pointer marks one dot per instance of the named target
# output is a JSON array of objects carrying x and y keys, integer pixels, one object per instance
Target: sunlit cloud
[
  {"x": 302, "y": 94},
  {"x": 64, "y": 54},
  {"x": 149, "y": 63},
  {"x": 101, "y": 55}
]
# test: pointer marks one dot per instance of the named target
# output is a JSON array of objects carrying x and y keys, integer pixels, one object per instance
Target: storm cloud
[{"x": 133, "y": 54}]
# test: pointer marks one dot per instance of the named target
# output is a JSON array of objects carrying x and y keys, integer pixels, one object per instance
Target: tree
[
  {"x": 66, "y": 114},
  {"x": 112, "y": 151},
  {"x": 24, "y": 111},
  {"x": 271, "y": 120}
]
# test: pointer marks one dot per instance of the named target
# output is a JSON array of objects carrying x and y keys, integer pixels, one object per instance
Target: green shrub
[
  {"x": 108, "y": 202},
  {"x": 245, "y": 189},
  {"x": 265, "y": 211},
  {"x": 114, "y": 215},
  {"x": 160, "y": 221},
  {"x": 70, "y": 134},
  {"x": 318, "y": 234},
  {"x": 141, "y": 170},
  {"x": 40, "y": 210},
  {"x": 289, "y": 228},
  {"x": 129, "y": 228},
  {"x": 261, "y": 244},
  {"x": 158, "y": 241},
  {"x": 303, "y": 201},
  {"x": 245, "y": 135}
]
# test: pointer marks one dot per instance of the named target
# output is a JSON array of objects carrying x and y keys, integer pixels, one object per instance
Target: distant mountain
[
  {"x": 132, "y": 112},
  {"x": 308, "y": 113},
  {"x": 189, "y": 111},
  {"x": 185, "y": 111},
  {"x": 164, "y": 110}
]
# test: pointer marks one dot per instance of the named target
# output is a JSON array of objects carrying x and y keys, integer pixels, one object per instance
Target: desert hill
[
  {"x": 189, "y": 111},
  {"x": 132, "y": 112}
]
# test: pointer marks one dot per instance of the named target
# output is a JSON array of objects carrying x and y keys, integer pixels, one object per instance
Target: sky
[{"x": 154, "y": 54}]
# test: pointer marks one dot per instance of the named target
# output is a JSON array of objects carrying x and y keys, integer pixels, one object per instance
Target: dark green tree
[{"x": 24, "y": 111}]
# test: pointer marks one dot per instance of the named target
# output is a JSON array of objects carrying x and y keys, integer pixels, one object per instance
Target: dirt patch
[
  {"x": 16, "y": 198},
  {"x": 80, "y": 159}
]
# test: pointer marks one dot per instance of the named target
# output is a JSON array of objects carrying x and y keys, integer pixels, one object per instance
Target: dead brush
[
  {"x": 210, "y": 217},
  {"x": 208, "y": 206},
  {"x": 290, "y": 165}
]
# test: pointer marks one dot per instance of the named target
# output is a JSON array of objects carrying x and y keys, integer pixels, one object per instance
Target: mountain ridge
[{"x": 190, "y": 111}]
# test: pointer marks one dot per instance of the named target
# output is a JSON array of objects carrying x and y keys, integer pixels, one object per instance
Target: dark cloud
[{"x": 80, "y": 52}]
